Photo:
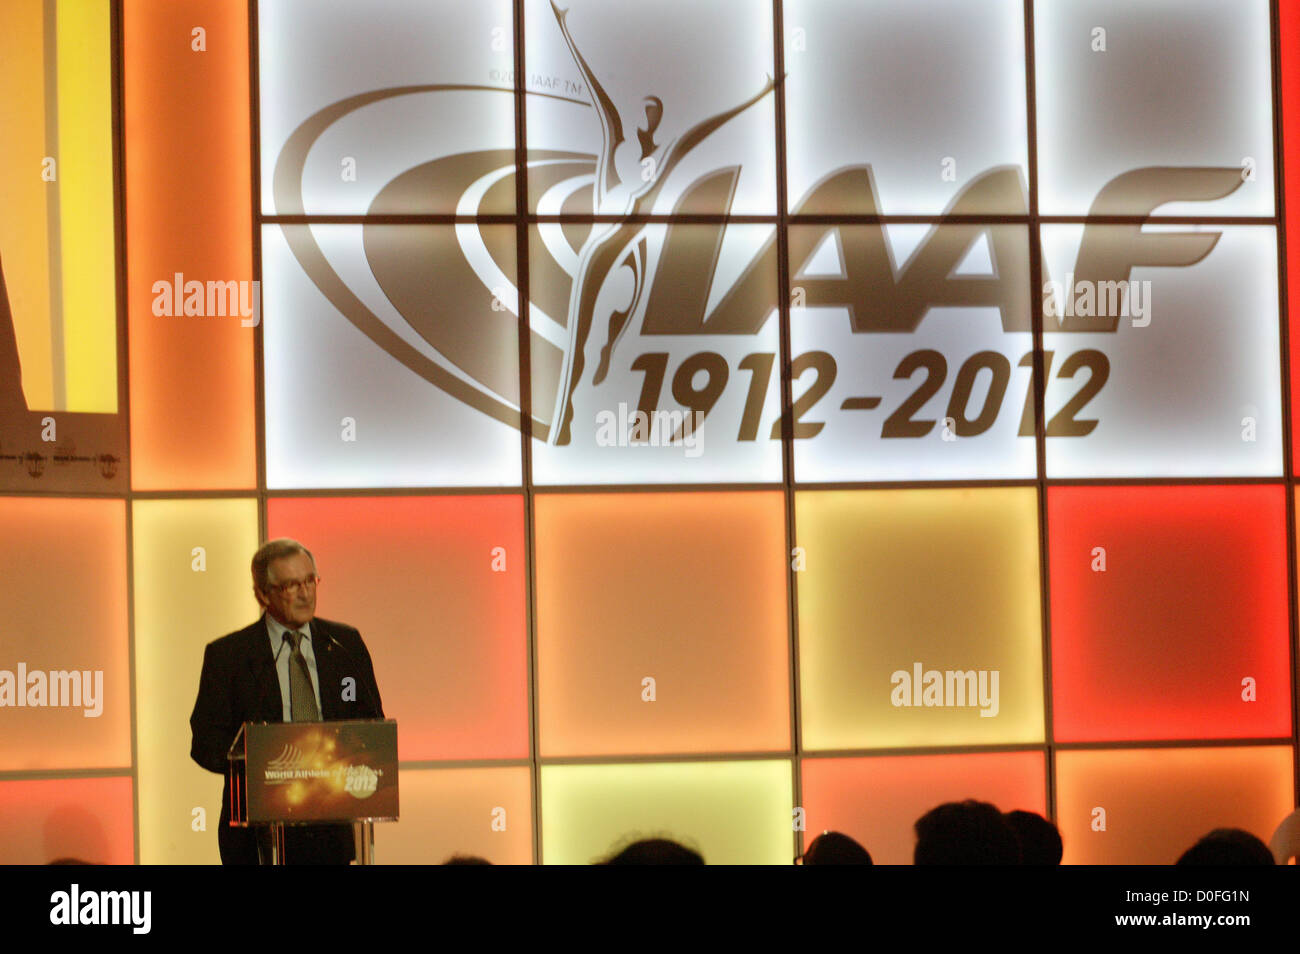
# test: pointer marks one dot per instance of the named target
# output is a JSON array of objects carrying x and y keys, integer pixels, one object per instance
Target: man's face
[{"x": 291, "y": 599}]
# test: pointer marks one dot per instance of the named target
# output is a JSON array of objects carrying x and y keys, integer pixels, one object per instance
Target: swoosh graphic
[{"x": 287, "y": 191}]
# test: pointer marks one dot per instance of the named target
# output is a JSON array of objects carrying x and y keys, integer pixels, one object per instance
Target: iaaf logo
[{"x": 612, "y": 297}]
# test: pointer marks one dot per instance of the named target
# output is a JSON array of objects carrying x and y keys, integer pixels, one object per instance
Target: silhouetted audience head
[
  {"x": 1228, "y": 846},
  {"x": 1040, "y": 842},
  {"x": 655, "y": 851},
  {"x": 965, "y": 833},
  {"x": 834, "y": 848},
  {"x": 466, "y": 860}
]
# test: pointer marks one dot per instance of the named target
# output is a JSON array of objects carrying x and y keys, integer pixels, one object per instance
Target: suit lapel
[{"x": 262, "y": 660}]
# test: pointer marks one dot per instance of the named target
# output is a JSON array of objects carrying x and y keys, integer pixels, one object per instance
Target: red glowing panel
[
  {"x": 436, "y": 587},
  {"x": 1169, "y": 612},
  {"x": 1289, "y": 44},
  {"x": 878, "y": 800},
  {"x": 89, "y": 819},
  {"x": 1148, "y": 806}
]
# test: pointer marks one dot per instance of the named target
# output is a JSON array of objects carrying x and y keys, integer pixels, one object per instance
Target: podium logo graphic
[{"x": 360, "y": 781}]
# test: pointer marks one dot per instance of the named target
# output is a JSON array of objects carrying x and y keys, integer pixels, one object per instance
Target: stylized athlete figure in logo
[{"x": 613, "y": 244}]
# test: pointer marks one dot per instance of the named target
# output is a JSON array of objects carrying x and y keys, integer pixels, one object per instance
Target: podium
[{"x": 307, "y": 773}]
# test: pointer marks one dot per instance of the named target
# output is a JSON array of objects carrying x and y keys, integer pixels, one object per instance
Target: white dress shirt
[{"x": 283, "y": 653}]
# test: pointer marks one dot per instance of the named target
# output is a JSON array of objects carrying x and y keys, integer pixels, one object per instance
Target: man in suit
[{"x": 288, "y": 666}]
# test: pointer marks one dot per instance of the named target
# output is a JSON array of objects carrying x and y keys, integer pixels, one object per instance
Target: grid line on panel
[
  {"x": 1284, "y": 356},
  {"x": 1039, "y": 385},
  {"x": 973, "y": 749},
  {"x": 524, "y": 298},
  {"x": 435, "y": 764},
  {"x": 41, "y": 775},
  {"x": 665, "y": 758},
  {"x": 259, "y": 354},
  {"x": 116, "y": 95},
  {"x": 787, "y": 413},
  {"x": 797, "y": 218},
  {"x": 1130, "y": 744}
]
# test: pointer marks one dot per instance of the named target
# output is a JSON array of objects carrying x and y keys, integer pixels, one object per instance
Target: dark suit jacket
[{"x": 238, "y": 685}]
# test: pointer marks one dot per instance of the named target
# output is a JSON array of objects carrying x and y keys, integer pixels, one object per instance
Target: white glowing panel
[
  {"x": 630, "y": 105},
  {"x": 1176, "y": 371},
  {"x": 388, "y": 361},
  {"x": 929, "y": 95},
  {"x": 357, "y": 115},
  {"x": 1123, "y": 86},
  {"x": 918, "y": 370},
  {"x": 683, "y": 328}
]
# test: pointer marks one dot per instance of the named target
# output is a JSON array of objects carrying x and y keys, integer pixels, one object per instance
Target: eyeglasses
[{"x": 294, "y": 587}]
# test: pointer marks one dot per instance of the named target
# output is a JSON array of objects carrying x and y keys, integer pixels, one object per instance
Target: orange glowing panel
[
  {"x": 189, "y": 220},
  {"x": 65, "y": 677},
  {"x": 436, "y": 587},
  {"x": 1148, "y": 806},
  {"x": 661, "y": 623},
  {"x": 1169, "y": 612},
  {"x": 487, "y": 812},
  {"x": 878, "y": 800},
  {"x": 89, "y": 819},
  {"x": 919, "y": 617}
]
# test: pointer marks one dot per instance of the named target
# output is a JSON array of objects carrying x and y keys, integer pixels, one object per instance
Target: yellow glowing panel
[
  {"x": 487, "y": 812},
  {"x": 63, "y": 589},
  {"x": 24, "y": 194},
  {"x": 1148, "y": 806},
  {"x": 192, "y": 585},
  {"x": 940, "y": 583},
  {"x": 662, "y": 623},
  {"x": 730, "y": 812},
  {"x": 86, "y": 206}
]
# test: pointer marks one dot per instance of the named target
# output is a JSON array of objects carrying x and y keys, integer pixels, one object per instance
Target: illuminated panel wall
[
  {"x": 485, "y": 812},
  {"x": 1169, "y": 616},
  {"x": 188, "y": 221},
  {"x": 42, "y": 821},
  {"x": 668, "y": 501},
  {"x": 730, "y": 812},
  {"x": 646, "y": 644},
  {"x": 449, "y": 638},
  {"x": 192, "y": 585},
  {"x": 1289, "y": 106},
  {"x": 66, "y": 627},
  {"x": 904, "y": 586},
  {"x": 877, "y": 800},
  {"x": 56, "y": 237},
  {"x": 1148, "y": 806}
]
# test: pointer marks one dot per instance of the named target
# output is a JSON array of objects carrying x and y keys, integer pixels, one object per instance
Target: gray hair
[{"x": 274, "y": 550}]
